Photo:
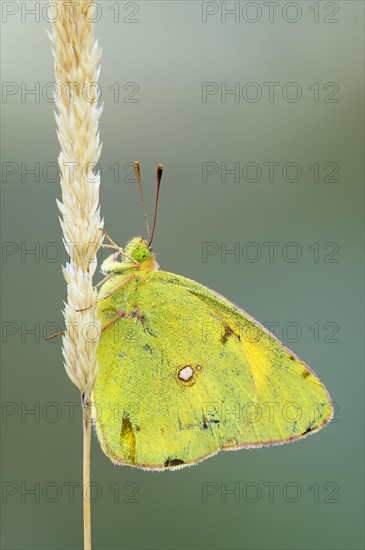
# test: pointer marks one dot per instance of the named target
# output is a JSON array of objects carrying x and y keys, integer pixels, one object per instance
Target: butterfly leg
[
  {"x": 62, "y": 333},
  {"x": 117, "y": 287},
  {"x": 103, "y": 281},
  {"x": 111, "y": 292},
  {"x": 123, "y": 315},
  {"x": 119, "y": 315},
  {"x": 115, "y": 246}
]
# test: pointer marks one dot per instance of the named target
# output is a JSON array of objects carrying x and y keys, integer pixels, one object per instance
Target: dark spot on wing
[
  {"x": 146, "y": 347},
  {"x": 173, "y": 462},
  {"x": 292, "y": 357},
  {"x": 148, "y": 329},
  {"x": 128, "y": 441},
  {"x": 306, "y": 373},
  {"x": 309, "y": 429},
  {"x": 228, "y": 331}
]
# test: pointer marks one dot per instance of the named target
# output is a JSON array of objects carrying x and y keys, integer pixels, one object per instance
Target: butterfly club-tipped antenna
[
  {"x": 138, "y": 176},
  {"x": 159, "y": 176}
]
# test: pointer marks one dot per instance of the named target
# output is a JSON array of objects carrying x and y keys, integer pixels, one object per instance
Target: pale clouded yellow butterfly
[{"x": 185, "y": 373}]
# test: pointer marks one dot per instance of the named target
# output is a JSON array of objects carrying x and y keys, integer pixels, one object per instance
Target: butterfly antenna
[
  {"x": 159, "y": 176},
  {"x": 138, "y": 176}
]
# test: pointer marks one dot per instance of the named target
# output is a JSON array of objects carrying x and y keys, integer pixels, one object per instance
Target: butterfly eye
[{"x": 141, "y": 255}]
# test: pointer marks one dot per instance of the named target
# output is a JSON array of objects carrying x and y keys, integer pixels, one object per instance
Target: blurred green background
[{"x": 305, "y": 495}]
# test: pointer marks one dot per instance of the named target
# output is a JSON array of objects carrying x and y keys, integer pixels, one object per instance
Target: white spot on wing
[{"x": 186, "y": 373}]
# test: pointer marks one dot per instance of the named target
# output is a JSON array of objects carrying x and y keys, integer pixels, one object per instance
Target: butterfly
[{"x": 184, "y": 373}]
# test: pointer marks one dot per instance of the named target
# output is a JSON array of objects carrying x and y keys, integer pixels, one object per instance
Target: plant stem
[
  {"x": 77, "y": 62},
  {"x": 86, "y": 419}
]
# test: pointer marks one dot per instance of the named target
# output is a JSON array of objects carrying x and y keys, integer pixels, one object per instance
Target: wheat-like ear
[{"x": 77, "y": 57}]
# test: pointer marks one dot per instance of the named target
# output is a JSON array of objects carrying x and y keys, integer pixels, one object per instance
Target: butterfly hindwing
[{"x": 186, "y": 373}]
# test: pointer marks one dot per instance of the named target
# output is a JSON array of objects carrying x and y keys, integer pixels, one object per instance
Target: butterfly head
[
  {"x": 138, "y": 256},
  {"x": 140, "y": 250}
]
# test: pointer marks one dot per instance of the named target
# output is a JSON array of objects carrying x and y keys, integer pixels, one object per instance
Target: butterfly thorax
[{"x": 124, "y": 273}]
